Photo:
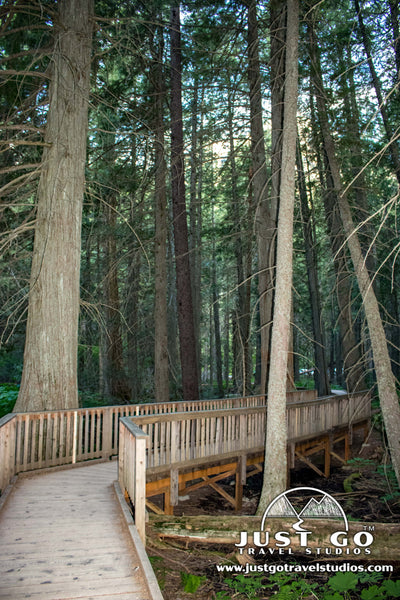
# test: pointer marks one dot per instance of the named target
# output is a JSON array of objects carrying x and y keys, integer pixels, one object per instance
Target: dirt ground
[{"x": 364, "y": 487}]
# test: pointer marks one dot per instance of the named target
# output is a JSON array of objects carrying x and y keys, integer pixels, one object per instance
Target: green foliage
[
  {"x": 89, "y": 400},
  {"x": 285, "y": 586},
  {"x": 372, "y": 593},
  {"x": 191, "y": 582},
  {"x": 11, "y": 364},
  {"x": 8, "y": 397},
  {"x": 343, "y": 582},
  {"x": 306, "y": 383},
  {"x": 392, "y": 588},
  {"x": 249, "y": 586}
]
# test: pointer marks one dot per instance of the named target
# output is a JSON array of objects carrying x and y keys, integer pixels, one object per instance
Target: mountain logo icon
[{"x": 304, "y": 503}]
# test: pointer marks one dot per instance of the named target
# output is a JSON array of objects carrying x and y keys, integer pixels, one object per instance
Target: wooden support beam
[
  {"x": 222, "y": 492},
  {"x": 156, "y": 509},
  {"x": 327, "y": 469},
  {"x": 242, "y": 469},
  {"x": 240, "y": 480},
  {"x": 174, "y": 487},
  {"x": 347, "y": 443},
  {"x": 342, "y": 460},
  {"x": 206, "y": 479},
  {"x": 257, "y": 469},
  {"x": 309, "y": 463},
  {"x": 168, "y": 508}
]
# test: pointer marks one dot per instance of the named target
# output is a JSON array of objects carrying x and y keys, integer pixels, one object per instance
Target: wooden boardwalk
[{"x": 63, "y": 536}]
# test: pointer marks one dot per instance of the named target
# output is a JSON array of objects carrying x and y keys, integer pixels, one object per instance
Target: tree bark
[
  {"x": 394, "y": 19},
  {"x": 216, "y": 318},
  {"x": 195, "y": 213},
  {"x": 385, "y": 379},
  {"x": 393, "y": 147},
  {"x": 321, "y": 367},
  {"x": 243, "y": 269},
  {"x": 349, "y": 363},
  {"x": 161, "y": 372},
  {"x": 275, "y": 469},
  {"x": 265, "y": 217},
  {"x": 190, "y": 380},
  {"x": 49, "y": 378},
  {"x": 118, "y": 383}
]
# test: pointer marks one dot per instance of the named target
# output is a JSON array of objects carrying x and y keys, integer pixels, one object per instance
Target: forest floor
[{"x": 365, "y": 489}]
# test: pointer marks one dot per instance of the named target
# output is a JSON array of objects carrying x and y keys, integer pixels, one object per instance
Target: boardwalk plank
[{"x": 62, "y": 536}]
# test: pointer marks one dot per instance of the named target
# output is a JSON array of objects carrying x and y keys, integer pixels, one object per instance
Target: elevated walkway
[{"x": 63, "y": 536}]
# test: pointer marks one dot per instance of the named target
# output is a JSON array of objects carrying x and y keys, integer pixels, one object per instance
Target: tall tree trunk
[
  {"x": 385, "y": 379},
  {"x": 190, "y": 380},
  {"x": 195, "y": 220},
  {"x": 161, "y": 373},
  {"x": 133, "y": 369},
  {"x": 226, "y": 347},
  {"x": 394, "y": 19},
  {"x": 321, "y": 367},
  {"x": 265, "y": 216},
  {"x": 275, "y": 463},
  {"x": 350, "y": 357},
  {"x": 173, "y": 335},
  {"x": 216, "y": 318},
  {"x": 243, "y": 269},
  {"x": 393, "y": 147},
  {"x": 118, "y": 382},
  {"x": 49, "y": 378}
]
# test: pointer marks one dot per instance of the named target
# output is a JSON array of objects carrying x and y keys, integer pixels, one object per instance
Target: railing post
[
  {"x": 140, "y": 487},
  {"x": 107, "y": 432},
  {"x": 132, "y": 470},
  {"x": 7, "y": 449},
  {"x": 75, "y": 437}
]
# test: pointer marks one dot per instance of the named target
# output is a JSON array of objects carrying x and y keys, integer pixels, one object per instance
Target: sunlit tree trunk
[
  {"x": 265, "y": 218},
  {"x": 49, "y": 378},
  {"x": 275, "y": 462}
]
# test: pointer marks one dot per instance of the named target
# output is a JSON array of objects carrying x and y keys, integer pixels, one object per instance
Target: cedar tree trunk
[{"x": 49, "y": 378}]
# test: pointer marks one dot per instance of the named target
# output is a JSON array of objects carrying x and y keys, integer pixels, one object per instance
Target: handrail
[
  {"x": 52, "y": 438},
  {"x": 132, "y": 470},
  {"x": 187, "y": 436},
  {"x": 7, "y": 450}
]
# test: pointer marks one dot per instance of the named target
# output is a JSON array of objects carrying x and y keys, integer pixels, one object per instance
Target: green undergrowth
[
  {"x": 282, "y": 586},
  {"x": 8, "y": 397},
  {"x": 384, "y": 472}
]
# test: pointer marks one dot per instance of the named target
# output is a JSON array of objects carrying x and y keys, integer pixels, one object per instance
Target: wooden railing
[
  {"x": 182, "y": 440},
  {"x": 132, "y": 469},
  {"x": 30, "y": 441},
  {"x": 307, "y": 419},
  {"x": 176, "y": 433},
  {"x": 54, "y": 438},
  {"x": 7, "y": 450},
  {"x": 188, "y": 437}
]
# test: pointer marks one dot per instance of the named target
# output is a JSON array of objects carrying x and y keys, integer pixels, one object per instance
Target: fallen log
[{"x": 384, "y": 538}]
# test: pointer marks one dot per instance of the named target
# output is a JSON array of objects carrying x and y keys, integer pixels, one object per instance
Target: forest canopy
[{"x": 181, "y": 146}]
